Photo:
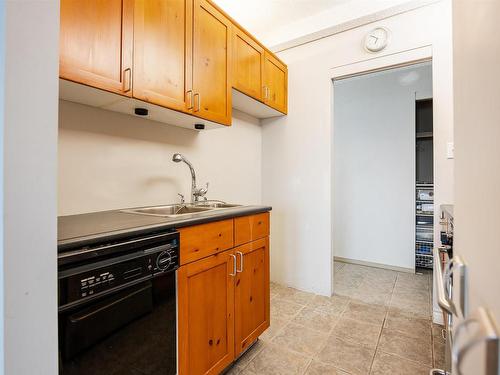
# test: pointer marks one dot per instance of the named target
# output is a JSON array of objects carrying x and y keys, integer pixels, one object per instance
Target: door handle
[
  {"x": 482, "y": 328},
  {"x": 234, "y": 265},
  {"x": 127, "y": 80},
  {"x": 197, "y": 103},
  {"x": 241, "y": 261},
  {"x": 442, "y": 298},
  {"x": 189, "y": 98},
  {"x": 266, "y": 93}
]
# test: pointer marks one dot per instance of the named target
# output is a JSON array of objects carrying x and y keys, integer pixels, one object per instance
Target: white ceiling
[
  {"x": 277, "y": 21},
  {"x": 260, "y": 16}
]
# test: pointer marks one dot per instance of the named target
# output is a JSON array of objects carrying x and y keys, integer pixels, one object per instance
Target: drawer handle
[
  {"x": 259, "y": 223},
  {"x": 220, "y": 234}
]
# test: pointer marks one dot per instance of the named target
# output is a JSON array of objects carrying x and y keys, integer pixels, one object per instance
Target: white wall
[
  {"x": 2, "y": 127},
  {"x": 30, "y": 187},
  {"x": 297, "y": 148},
  {"x": 109, "y": 160},
  {"x": 477, "y": 135},
  {"x": 374, "y": 165}
]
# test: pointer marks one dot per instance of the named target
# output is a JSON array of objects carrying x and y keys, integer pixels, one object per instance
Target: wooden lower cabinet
[
  {"x": 251, "y": 302},
  {"x": 223, "y": 303},
  {"x": 206, "y": 314}
]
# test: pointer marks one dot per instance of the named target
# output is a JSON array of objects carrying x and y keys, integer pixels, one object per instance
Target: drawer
[
  {"x": 250, "y": 228},
  {"x": 200, "y": 241}
]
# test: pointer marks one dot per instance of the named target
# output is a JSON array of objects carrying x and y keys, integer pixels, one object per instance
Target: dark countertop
[{"x": 85, "y": 229}]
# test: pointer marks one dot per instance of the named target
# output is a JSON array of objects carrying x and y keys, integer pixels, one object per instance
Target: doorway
[
  {"x": 378, "y": 160},
  {"x": 381, "y": 156}
]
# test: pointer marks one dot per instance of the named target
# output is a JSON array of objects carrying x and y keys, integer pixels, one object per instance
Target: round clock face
[{"x": 377, "y": 39}]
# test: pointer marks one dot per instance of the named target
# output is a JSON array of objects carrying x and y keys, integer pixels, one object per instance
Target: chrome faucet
[{"x": 196, "y": 193}]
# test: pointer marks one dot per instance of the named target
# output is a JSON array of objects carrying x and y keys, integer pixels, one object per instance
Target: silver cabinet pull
[
  {"x": 266, "y": 92},
  {"x": 197, "y": 103},
  {"x": 127, "y": 80},
  {"x": 241, "y": 261},
  {"x": 485, "y": 331},
  {"x": 234, "y": 265},
  {"x": 189, "y": 98}
]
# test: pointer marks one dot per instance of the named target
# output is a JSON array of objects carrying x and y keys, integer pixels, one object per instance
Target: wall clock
[{"x": 377, "y": 39}]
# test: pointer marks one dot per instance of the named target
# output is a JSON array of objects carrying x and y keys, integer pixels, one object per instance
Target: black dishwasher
[{"x": 117, "y": 307}]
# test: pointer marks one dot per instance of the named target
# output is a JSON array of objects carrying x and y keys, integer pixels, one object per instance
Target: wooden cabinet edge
[{"x": 235, "y": 23}]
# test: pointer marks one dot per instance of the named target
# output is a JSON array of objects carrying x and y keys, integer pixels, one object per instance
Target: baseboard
[{"x": 373, "y": 264}]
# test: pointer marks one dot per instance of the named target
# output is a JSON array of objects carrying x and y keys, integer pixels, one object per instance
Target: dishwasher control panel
[{"x": 99, "y": 277}]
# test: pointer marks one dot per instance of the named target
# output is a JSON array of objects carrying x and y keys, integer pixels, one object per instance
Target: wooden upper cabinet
[
  {"x": 211, "y": 63},
  {"x": 275, "y": 83},
  {"x": 206, "y": 314},
  {"x": 96, "y": 41},
  {"x": 162, "y": 52},
  {"x": 248, "y": 64},
  {"x": 251, "y": 293}
]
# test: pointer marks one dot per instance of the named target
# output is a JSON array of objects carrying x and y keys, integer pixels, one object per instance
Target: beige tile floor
[{"x": 379, "y": 322}]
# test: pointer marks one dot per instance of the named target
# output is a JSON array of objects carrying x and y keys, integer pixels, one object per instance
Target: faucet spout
[{"x": 178, "y": 158}]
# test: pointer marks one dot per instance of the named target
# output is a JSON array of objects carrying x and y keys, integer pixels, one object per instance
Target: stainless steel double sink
[{"x": 176, "y": 210}]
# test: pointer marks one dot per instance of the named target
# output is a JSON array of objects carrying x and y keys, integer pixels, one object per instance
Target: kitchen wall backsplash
[{"x": 108, "y": 160}]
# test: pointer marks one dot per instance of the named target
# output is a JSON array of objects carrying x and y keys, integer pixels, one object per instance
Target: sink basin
[
  {"x": 217, "y": 205},
  {"x": 173, "y": 210}
]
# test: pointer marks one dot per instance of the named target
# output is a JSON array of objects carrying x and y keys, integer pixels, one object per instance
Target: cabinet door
[
  {"x": 275, "y": 83},
  {"x": 211, "y": 64},
  {"x": 162, "y": 47},
  {"x": 251, "y": 293},
  {"x": 205, "y": 314},
  {"x": 248, "y": 64},
  {"x": 96, "y": 38}
]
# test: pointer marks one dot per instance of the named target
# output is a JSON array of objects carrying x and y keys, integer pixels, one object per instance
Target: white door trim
[{"x": 377, "y": 63}]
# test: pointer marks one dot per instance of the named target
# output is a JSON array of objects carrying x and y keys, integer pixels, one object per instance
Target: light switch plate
[{"x": 450, "y": 150}]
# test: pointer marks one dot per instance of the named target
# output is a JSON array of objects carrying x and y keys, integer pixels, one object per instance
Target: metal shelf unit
[{"x": 424, "y": 225}]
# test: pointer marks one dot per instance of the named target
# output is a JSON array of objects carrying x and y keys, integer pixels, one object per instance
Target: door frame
[{"x": 358, "y": 68}]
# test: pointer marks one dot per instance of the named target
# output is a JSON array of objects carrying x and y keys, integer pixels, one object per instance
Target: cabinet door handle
[
  {"x": 127, "y": 80},
  {"x": 265, "y": 93},
  {"x": 197, "y": 102},
  {"x": 241, "y": 261},
  {"x": 189, "y": 98},
  {"x": 234, "y": 265}
]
